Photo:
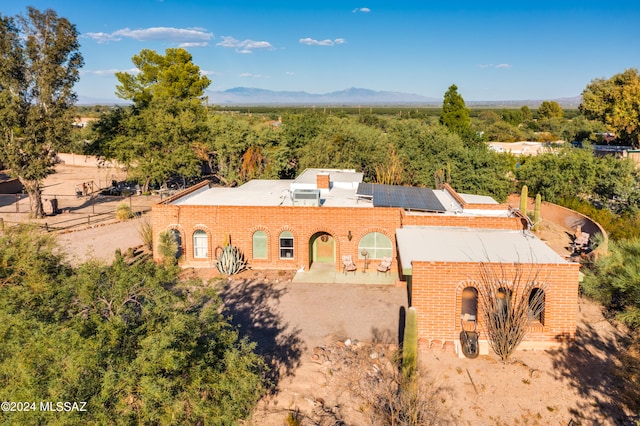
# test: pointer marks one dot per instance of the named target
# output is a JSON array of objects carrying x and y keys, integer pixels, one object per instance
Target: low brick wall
[{"x": 569, "y": 219}]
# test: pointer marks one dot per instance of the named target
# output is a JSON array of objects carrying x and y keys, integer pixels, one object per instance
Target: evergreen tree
[
  {"x": 156, "y": 138},
  {"x": 455, "y": 114}
]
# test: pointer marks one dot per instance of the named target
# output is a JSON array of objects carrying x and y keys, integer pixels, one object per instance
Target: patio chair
[
  {"x": 385, "y": 265},
  {"x": 581, "y": 242},
  {"x": 348, "y": 265}
]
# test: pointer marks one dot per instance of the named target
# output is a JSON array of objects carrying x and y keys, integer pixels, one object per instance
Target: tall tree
[
  {"x": 550, "y": 109},
  {"x": 39, "y": 64},
  {"x": 156, "y": 137},
  {"x": 455, "y": 114},
  {"x": 616, "y": 103}
]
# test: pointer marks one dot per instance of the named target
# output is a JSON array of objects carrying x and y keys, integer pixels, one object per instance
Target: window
[
  {"x": 503, "y": 303},
  {"x": 375, "y": 245},
  {"x": 260, "y": 245},
  {"x": 286, "y": 245},
  {"x": 536, "y": 305},
  {"x": 178, "y": 239},
  {"x": 200, "y": 244},
  {"x": 469, "y": 310}
]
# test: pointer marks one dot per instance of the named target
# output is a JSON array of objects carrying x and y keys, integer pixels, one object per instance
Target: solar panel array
[{"x": 406, "y": 197}]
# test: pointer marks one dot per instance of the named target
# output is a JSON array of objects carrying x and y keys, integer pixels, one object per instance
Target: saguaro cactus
[
  {"x": 524, "y": 194},
  {"x": 410, "y": 345},
  {"x": 536, "y": 211}
]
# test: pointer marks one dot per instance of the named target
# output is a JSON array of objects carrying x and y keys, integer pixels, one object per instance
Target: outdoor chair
[
  {"x": 385, "y": 265},
  {"x": 581, "y": 242},
  {"x": 348, "y": 265}
]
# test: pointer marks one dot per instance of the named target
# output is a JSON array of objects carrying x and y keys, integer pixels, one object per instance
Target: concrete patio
[{"x": 326, "y": 273}]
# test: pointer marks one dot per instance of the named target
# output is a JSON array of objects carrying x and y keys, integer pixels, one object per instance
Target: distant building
[{"x": 436, "y": 240}]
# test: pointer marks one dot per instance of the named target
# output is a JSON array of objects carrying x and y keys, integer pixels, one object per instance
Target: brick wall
[
  {"x": 437, "y": 289},
  {"x": 240, "y": 222},
  {"x": 478, "y": 222}
]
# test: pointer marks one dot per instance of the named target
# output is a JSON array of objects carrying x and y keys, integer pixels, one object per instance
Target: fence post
[
  {"x": 1, "y": 224},
  {"x": 17, "y": 203},
  {"x": 89, "y": 219}
]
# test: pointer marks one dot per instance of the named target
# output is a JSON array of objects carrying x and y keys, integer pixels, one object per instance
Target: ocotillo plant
[{"x": 523, "y": 199}]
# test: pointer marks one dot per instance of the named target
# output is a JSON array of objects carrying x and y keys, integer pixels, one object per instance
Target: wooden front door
[{"x": 324, "y": 249}]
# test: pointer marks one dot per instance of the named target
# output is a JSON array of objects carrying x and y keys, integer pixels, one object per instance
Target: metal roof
[{"x": 449, "y": 244}]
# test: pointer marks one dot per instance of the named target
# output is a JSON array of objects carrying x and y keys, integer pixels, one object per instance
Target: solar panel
[
  {"x": 365, "y": 189},
  {"x": 406, "y": 197}
]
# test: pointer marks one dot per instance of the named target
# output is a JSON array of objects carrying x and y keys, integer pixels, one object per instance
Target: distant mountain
[{"x": 352, "y": 96}]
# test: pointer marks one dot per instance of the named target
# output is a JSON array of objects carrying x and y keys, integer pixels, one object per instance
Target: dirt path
[{"x": 101, "y": 242}]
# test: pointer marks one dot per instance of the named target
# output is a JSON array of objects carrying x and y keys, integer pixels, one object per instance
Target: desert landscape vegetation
[{"x": 87, "y": 316}]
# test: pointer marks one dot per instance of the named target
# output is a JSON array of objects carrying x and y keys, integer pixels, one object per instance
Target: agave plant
[{"x": 230, "y": 260}]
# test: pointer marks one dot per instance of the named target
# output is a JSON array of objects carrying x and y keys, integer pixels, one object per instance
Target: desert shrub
[
  {"x": 614, "y": 281},
  {"x": 145, "y": 231},
  {"x": 124, "y": 212}
]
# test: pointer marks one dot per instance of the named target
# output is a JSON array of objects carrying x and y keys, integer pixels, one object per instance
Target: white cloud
[
  {"x": 498, "y": 66},
  {"x": 289, "y": 73},
  {"x": 327, "y": 42},
  {"x": 361, "y": 9},
  {"x": 185, "y": 37},
  {"x": 193, "y": 44},
  {"x": 250, "y": 75},
  {"x": 109, "y": 72},
  {"x": 243, "y": 46}
]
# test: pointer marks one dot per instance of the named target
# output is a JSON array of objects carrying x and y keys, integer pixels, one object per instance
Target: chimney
[{"x": 322, "y": 181}]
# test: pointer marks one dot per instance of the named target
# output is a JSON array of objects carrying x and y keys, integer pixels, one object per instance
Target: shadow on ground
[
  {"x": 594, "y": 365},
  {"x": 252, "y": 305}
]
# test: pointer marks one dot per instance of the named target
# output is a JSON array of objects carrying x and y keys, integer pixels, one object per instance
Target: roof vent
[{"x": 306, "y": 197}]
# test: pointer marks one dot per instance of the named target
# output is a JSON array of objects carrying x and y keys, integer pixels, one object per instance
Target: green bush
[{"x": 614, "y": 281}]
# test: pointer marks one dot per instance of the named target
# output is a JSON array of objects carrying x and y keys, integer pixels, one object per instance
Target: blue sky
[{"x": 492, "y": 50}]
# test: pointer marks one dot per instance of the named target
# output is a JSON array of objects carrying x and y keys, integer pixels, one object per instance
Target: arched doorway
[{"x": 322, "y": 247}]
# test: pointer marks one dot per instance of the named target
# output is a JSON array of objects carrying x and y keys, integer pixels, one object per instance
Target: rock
[
  {"x": 373, "y": 355},
  {"x": 347, "y": 342}
]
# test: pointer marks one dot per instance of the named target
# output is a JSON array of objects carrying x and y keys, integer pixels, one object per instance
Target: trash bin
[{"x": 54, "y": 206}]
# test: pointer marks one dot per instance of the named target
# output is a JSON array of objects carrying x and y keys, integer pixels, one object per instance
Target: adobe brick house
[{"x": 436, "y": 238}]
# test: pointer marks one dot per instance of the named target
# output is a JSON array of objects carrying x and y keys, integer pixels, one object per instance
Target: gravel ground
[{"x": 101, "y": 242}]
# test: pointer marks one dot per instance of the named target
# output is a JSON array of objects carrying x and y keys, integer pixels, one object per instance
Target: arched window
[
  {"x": 469, "y": 309},
  {"x": 260, "y": 247},
  {"x": 503, "y": 302},
  {"x": 286, "y": 245},
  {"x": 375, "y": 245},
  {"x": 178, "y": 239},
  {"x": 536, "y": 304},
  {"x": 200, "y": 244}
]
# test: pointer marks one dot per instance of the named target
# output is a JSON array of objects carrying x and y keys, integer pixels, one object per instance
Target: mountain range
[
  {"x": 353, "y": 96},
  {"x": 250, "y": 96}
]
